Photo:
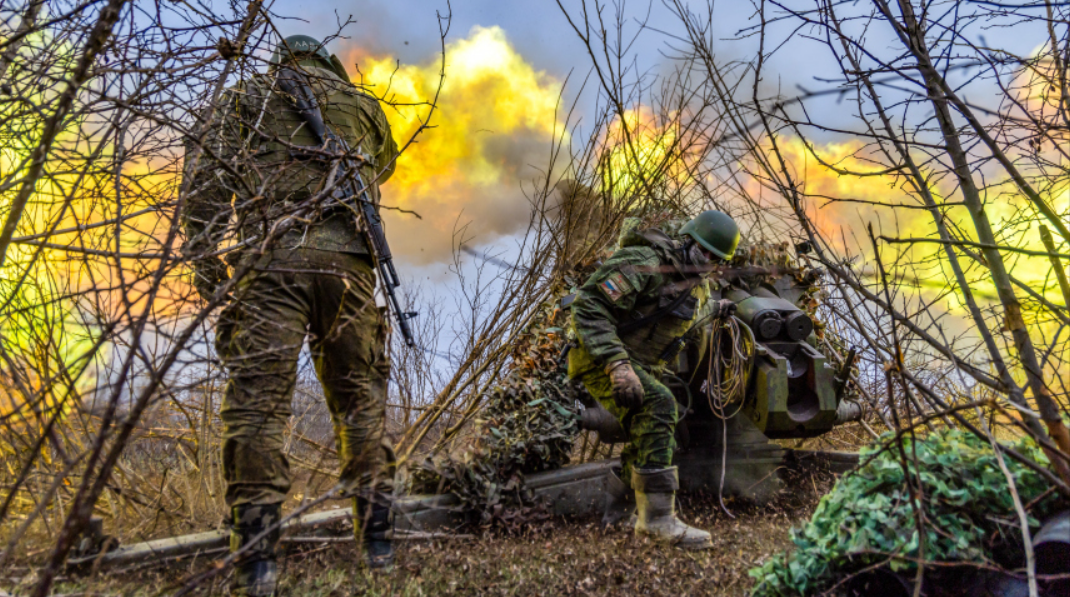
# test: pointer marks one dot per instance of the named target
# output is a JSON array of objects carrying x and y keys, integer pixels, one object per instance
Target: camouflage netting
[
  {"x": 527, "y": 425},
  {"x": 868, "y": 523}
]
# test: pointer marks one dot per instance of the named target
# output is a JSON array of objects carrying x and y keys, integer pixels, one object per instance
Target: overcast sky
[{"x": 408, "y": 30}]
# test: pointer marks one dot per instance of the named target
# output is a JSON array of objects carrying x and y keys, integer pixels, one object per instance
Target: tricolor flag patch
[{"x": 615, "y": 286}]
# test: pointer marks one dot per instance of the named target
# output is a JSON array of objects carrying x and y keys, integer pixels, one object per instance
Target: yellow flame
[
  {"x": 496, "y": 117},
  {"x": 1037, "y": 85},
  {"x": 844, "y": 223},
  {"x": 640, "y": 153}
]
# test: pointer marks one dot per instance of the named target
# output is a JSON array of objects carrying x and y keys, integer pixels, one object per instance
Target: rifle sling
[{"x": 304, "y": 104}]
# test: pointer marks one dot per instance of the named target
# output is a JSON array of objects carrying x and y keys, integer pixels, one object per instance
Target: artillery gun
[{"x": 775, "y": 383}]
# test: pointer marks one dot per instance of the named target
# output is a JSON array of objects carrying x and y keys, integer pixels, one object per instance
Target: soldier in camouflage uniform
[
  {"x": 648, "y": 294},
  {"x": 315, "y": 280}
]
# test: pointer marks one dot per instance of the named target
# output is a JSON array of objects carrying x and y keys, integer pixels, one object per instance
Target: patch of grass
[{"x": 555, "y": 558}]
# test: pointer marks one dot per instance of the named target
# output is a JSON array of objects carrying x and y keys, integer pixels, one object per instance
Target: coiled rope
[{"x": 726, "y": 379}]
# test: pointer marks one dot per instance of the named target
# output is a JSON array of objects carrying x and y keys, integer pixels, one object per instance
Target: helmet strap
[{"x": 695, "y": 253}]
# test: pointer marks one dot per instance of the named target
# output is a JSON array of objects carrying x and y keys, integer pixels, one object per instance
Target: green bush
[{"x": 868, "y": 518}]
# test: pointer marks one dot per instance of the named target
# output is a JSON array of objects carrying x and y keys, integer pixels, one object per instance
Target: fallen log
[{"x": 572, "y": 492}]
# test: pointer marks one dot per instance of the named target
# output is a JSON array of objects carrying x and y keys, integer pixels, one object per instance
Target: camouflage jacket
[
  {"x": 641, "y": 278},
  {"x": 252, "y": 167}
]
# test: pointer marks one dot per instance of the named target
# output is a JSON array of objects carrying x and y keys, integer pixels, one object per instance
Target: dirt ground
[{"x": 551, "y": 558}]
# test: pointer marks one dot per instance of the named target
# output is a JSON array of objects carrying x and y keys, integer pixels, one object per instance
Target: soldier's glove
[
  {"x": 208, "y": 274},
  {"x": 725, "y": 309},
  {"x": 627, "y": 389}
]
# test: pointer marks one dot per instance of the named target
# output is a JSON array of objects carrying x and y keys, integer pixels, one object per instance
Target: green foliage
[{"x": 868, "y": 517}]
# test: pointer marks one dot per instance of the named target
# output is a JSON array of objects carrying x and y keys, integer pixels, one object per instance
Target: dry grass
[{"x": 557, "y": 558}]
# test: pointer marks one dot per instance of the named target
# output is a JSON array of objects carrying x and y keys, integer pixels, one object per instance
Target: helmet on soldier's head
[
  {"x": 716, "y": 231},
  {"x": 299, "y": 47}
]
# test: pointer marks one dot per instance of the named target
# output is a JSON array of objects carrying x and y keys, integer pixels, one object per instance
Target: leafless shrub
[
  {"x": 946, "y": 251},
  {"x": 109, "y": 391}
]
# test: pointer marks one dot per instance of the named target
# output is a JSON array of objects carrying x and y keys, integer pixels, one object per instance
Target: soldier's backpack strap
[{"x": 631, "y": 326}]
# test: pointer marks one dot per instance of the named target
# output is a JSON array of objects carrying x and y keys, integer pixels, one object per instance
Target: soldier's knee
[
  {"x": 660, "y": 402},
  {"x": 246, "y": 423}
]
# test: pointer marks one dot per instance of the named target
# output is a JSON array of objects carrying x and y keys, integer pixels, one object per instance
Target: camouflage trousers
[
  {"x": 290, "y": 295},
  {"x": 651, "y": 427}
]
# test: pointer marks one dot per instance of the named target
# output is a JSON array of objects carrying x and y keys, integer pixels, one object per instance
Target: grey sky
[{"x": 408, "y": 30}]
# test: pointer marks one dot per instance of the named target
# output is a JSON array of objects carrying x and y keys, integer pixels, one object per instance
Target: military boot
[
  {"x": 255, "y": 573},
  {"x": 620, "y": 501},
  {"x": 373, "y": 526},
  {"x": 655, "y": 497}
]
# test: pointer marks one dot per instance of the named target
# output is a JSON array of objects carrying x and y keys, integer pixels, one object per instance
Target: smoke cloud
[{"x": 493, "y": 129}]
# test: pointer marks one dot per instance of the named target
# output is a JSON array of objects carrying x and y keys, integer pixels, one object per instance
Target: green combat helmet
[
  {"x": 299, "y": 47},
  {"x": 716, "y": 231},
  {"x": 302, "y": 47}
]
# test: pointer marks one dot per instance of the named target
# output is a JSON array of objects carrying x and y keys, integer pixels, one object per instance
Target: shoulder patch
[{"x": 615, "y": 286}]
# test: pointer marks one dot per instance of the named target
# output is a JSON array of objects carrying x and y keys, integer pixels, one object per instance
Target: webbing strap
[{"x": 631, "y": 326}]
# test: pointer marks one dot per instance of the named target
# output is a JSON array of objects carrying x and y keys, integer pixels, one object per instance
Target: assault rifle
[{"x": 352, "y": 190}]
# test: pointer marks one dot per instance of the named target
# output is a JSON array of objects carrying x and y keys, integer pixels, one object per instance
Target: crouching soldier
[{"x": 645, "y": 297}]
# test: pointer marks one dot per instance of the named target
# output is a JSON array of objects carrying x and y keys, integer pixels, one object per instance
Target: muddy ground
[{"x": 545, "y": 559}]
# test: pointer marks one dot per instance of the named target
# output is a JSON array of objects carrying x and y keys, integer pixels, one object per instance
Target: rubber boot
[
  {"x": 620, "y": 502},
  {"x": 655, "y": 497},
  {"x": 256, "y": 572},
  {"x": 374, "y": 527}
]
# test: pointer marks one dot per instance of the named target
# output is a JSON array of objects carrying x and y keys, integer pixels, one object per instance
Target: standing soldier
[
  {"x": 626, "y": 317},
  {"x": 260, "y": 165}
]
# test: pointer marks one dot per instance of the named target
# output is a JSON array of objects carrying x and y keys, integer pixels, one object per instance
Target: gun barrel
[
  {"x": 393, "y": 274},
  {"x": 771, "y": 317}
]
